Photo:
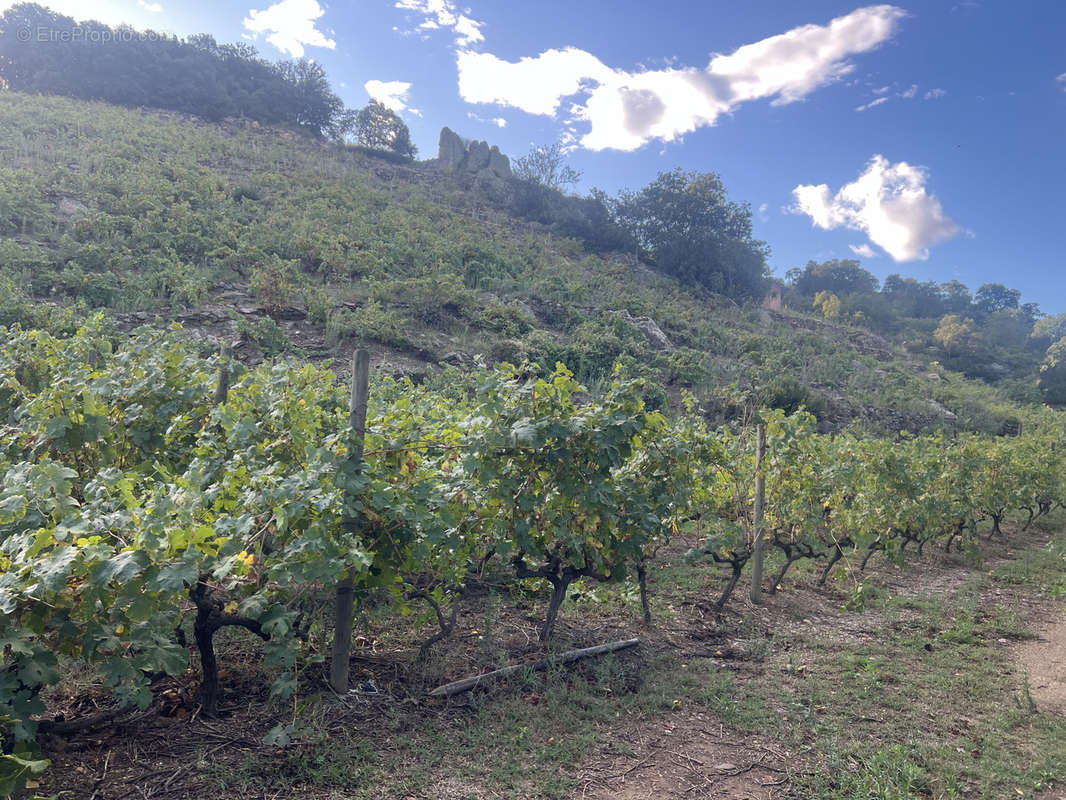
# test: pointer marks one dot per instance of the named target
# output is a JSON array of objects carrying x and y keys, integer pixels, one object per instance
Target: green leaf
[
  {"x": 53, "y": 571},
  {"x": 176, "y": 576},
  {"x": 119, "y": 568}
]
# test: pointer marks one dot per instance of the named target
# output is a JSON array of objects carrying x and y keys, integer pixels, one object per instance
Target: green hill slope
[{"x": 279, "y": 242}]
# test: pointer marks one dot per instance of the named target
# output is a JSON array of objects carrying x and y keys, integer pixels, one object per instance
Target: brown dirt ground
[
  {"x": 684, "y": 755},
  {"x": 167, "y": 752},
  {"x": 1043, "y": 661}
]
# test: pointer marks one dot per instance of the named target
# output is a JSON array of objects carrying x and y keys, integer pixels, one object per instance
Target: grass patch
[{"x": 1041, "y": 568}]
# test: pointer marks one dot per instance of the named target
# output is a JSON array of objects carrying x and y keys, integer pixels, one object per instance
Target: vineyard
[{"x": 154, "y": 494}]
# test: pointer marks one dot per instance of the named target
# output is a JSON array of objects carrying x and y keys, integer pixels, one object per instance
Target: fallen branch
[
  {"x": 65, "y": 727},
  {"x": 466, "y": 684}
]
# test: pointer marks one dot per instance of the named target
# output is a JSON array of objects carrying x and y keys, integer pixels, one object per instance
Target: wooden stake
[
  {"x": 344, "y": 615},
  {"x": 222, "y": 387},
  {"x": 466, "y": 684},
  {"x": 760, "y": 501}
]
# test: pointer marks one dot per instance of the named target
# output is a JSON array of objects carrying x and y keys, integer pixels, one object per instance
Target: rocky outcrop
[
  {"x": 499, "y": 164},
  {"x": 450, "y": 151},
  {"x": 477, "y": 157},
  {"x": 649, "y": 328}
]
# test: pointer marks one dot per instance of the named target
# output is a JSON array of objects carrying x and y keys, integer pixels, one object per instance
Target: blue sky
[{"x": 927, "y": 139}]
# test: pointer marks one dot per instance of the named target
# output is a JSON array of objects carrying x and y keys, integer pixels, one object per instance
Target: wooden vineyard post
[
  {"x": 344, "y": 601},
  {"x": 757, "y": 525},
  {"x": 224, "y": 377}
]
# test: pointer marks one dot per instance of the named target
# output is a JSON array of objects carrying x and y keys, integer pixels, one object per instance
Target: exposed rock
[
  {"x": 459, "y": 359},
  {"x": 649, "y": 328},
  {"x": 939, "y": 409},
  {"x": 70, "y": 207},
  {"x": 477, "y": 157},
  {"x": 499, "y": 163},
  {"x": 524, "y": 308},
  {"x": 451, "y": 151}
]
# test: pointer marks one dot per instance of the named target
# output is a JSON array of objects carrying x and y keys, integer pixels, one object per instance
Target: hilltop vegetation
[{"x": 49, "y": 53}]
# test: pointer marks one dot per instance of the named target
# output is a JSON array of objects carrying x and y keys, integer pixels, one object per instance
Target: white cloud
[
  {"x": 872, "y": 104},
  {"x": 534, "y": 85},
  {"x": 155, "y": 8},
  {"x": 862, "y": 250},
  {"x": 1062, "y": 79},
  {"x": 391, "y": 94},
  {"x": 909, "y": 93},
  {"x": 624, "y": 110},
  {"x": 499, "y": 122},
  {"x": 763, "y": 208},
  {"x": 444, "y": 14},
  {"x": 888, "y": 202},
  {"x": 290, "y": 25}
]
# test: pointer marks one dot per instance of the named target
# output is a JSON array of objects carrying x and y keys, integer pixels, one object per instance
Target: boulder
[
  {"x": 458, "y": 358},
  {"x": 940, "y": 410},
  {"x": 450, "y": 151},
  {"x": 649, "y": 328}
]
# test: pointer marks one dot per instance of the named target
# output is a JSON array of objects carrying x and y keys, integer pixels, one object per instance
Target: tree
[
  {"x": 546, "y": 166},
  {"x": 828, "y": 303},
  {"x": 1049, "y": 329},
  {"x": 313, "y": 104},
  {"x": 379, "y": 128},
  {"x": 194, "y": 76},
  {"x": 955, "y": 334},
  {"x": 912, "y": 298},
  {"x": 957, "y": 297},
  {"x": 994, "y": 297},
  {"x": 688, "y": 228},
  {"x": 1053, "y": 373},
  {"x": 839, "y": 276}
]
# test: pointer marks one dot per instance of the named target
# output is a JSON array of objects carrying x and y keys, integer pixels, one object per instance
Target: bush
[
  {"x": 265, "y": 333},
  {"x": 684, "y": 366},
  {"x": 790, "y": 396},
  {"x": 430, "y": 300},
  {"x": 504, "y": 318},
  {"x": 507, "y": 350},
  {"x": 373, "y": 322}
]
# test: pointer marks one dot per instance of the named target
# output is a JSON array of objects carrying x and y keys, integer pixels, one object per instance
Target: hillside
[{"x": 281, "y": 243}]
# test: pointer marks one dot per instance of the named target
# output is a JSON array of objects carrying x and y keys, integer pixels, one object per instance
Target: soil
[
  {"x": 1043, "y": 661},
  {"x": 684, "y": 755}
]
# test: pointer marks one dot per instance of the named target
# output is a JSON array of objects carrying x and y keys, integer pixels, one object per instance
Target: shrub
[
  {"x": 373, "y": 322},
  {"x": 504, "y": 318},
  {"x": 790, "y": 395}
]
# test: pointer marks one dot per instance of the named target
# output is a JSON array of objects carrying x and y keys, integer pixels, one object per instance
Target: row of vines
[{"x": 148, "y": 491}]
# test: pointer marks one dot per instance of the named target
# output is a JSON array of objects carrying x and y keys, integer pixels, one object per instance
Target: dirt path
[
  {"x": 1043, "y": 661},
  {"x": 688, "y": 755}
]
